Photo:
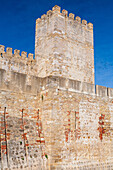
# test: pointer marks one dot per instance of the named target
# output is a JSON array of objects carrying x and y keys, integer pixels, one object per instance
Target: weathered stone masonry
[{"x": 52, "y": 116}]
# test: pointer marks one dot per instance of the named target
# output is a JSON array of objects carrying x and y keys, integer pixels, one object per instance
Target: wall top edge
[{"x": 57, "y": 10}]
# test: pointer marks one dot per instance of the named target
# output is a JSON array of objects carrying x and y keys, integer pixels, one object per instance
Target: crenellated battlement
[
  {"x": 64, "y": 13},
  {"x": 16, "y": 62},
  {"x": 16, "y": 54}
]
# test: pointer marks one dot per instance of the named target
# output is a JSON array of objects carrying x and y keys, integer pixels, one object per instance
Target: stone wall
[
  {"x": 70, "y": 117},
  {"x": 52, "y": 115},
  {"x": 13, "y": 61},
  {"x": 22, "y": 136},
  {"x": 81, "y": 134}
]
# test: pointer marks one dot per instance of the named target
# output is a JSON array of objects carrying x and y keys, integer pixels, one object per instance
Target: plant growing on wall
[{"x": 46, "y": 156}]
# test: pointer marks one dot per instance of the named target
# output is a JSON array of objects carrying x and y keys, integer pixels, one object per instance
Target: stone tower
[{"x": 64, "y": 46}]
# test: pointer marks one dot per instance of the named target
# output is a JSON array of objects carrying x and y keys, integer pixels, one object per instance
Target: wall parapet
[
  {"x": 57, "y": 10},
  {"x": 17, "y": 62},
  {"x": 78, "y": 86},
  {"x": 9, "y": 53},
  {"x": 101, "y": 91},
  {"x": 19, "y": 82}
]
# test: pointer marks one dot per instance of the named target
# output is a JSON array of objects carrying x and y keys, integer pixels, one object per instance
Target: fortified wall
[
  {"x": 15, "y": 62},
  {"x": 52, "y": 115}
]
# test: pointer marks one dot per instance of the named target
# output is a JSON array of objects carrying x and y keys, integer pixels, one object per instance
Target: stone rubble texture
[{"x": 56, "y": 118}]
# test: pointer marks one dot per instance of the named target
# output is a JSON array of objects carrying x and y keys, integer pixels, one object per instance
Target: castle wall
[
  {"x": 69, "y": 140},
  {"x": 52, "y": 115},
  {"x": 15, "y": 62},
  {"x": 64, "y": 46},
  {"x": 81, "y": 139},
  {"x": 22, "y": 134}
]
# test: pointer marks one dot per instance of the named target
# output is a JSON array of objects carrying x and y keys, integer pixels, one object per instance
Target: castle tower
[{"x": 64, "y": 46}]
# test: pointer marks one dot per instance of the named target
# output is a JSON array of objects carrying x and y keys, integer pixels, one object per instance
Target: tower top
[{"x": 57, "y": 9}]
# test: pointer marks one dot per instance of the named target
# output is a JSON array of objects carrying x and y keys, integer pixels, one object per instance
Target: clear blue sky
[{"x": 17, "y": 28}]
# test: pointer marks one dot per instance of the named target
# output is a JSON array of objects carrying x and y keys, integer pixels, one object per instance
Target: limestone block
[
  {"x": 71, "y": 16},
  {"x": 56, "y": 9},
  {"x": 76, "y": 85},
  {"x": 65, "y": 12},
  {"x": 30, "y": 56},
  {"x": 90, "y": 26},
  {"x": 24, "y": 55},
  {"x": 2, "y": 47},
  {"x": 84, "y": 22},
  {"x": 16, "y": 53},
  {"x": 9, "y": 51},
  {"x": 78, "y": 19},
  {"x": 88, "y": 88},
  {"x": 101, "y": 91},
  {"x": 49, "y": 13},
  {"x": 44, "y": 16},
  {"x": 110, "y": 92}
]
